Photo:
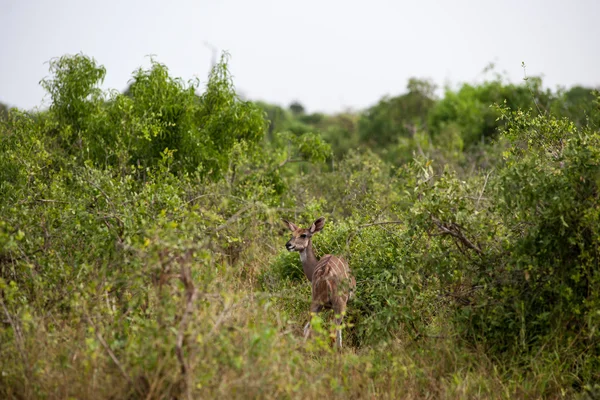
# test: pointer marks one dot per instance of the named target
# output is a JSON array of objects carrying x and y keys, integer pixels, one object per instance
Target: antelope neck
[{"x": 309, "y": 260}]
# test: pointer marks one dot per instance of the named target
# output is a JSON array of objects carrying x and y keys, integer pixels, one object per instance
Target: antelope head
[{"x": 301, "y": 238}]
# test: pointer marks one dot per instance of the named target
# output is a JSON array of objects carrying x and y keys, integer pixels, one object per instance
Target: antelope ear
[
  {"x": 317, "y": 225},
  {"x": 291, "y": 226}
]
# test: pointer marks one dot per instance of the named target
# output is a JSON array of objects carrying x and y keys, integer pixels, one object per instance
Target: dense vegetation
[{"x": 142, "y": 254}]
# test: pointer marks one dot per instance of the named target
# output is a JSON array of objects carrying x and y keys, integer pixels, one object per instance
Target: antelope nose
[{"x": 289, "y": 246}]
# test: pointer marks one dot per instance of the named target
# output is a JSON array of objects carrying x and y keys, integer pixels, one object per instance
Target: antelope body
[{"x": 332, "y": 281}]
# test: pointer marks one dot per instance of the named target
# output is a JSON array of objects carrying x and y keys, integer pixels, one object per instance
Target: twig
[
  {"x": 194, "y": 199},
  {"x": 51, "y": 201},
  {"x": 478, "y": 198},
  {"x": 229, "y": 308},
  {"x": 233, "y": 218},
  {"x": 191, "y": 295},
  {"x": 483, "y": 189},
  {"x": 453, "y": 230},
  {"x": 289, "y": 160},
  {"x": 381, "y": 223},
  {"x": 20, "y": 341},
  {"x": 239, "y": 214},
  {"x": 108, "y": 350},
  {"x": 220, "y": 319},
  {"x": 525, "y": 78},
  {"x": 353, "y": 233},
  {"x": 121, "y": 224}
]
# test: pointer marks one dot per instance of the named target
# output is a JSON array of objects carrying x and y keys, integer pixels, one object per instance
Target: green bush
[
  {"x": 158, "y": 112},
  {"x": 142, "y": 254}
]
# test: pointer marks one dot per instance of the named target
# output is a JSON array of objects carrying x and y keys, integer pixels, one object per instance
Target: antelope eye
[{"x": 303, "y": 235}]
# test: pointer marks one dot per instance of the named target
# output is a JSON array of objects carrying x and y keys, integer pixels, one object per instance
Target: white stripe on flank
[{"x": 341, "y": 268}]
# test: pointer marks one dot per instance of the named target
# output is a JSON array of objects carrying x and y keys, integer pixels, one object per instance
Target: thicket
[{"x": 142, "y": 254}]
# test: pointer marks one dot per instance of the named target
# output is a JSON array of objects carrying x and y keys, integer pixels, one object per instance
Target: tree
[
  {"x": 296, "y": 108},
  {"x": 469, "y": 110},
  {"x": 578, "y": 104},
  {"x": 157, "y": 113},
  {"x": 3, "y": 110},
  {"x": 401, "y": 116}
]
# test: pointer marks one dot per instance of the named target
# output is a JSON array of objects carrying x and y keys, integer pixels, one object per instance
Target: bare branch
[
  {"x": 19, "y": 339},
  {"x": 381, "y": 223},
  {"x": 290, "y": 160},
  {"x": 194, "y": 199},
  {"x": 233, "y": 218},
  {"x": 353, "y": 233},
  {"x": 106, "y": 196},
  {"x": 51, "y": 201},
  {"x": 191, "y": 293},
  {"x": 108, "y": 350},
  {"x": 483, "y": 189},
  {"x": 454, "y": 230},
  {"x": 239, "y": 214}
]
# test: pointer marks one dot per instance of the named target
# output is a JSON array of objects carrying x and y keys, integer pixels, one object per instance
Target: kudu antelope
[{"x": 332, "y": 282}]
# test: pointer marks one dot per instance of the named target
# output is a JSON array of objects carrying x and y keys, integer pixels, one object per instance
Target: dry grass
[{"x": 241, "y": 343}]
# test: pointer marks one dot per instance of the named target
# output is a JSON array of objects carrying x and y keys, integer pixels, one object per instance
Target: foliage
[
  {"x": 3, "y": 111},
  {"x": 553, "y": 214},
  {"x": 401, "y": 116},
  {"x": 142, "y": 255},
  {"x": 578, "y": 104},
  {"x": 470, "y": 108},
  {"x": 158, "y": 112},
  {"x": 74, "y": 91},
  {"x": 296, "y": 108}
]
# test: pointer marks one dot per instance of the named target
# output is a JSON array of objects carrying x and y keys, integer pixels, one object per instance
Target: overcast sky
[{"x": 327, "y": 54}]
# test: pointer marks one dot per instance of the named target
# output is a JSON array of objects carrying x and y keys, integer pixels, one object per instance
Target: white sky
[{"x": 327, "y": 54}]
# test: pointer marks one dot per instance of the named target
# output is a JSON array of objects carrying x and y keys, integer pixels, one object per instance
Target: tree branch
[
  {"x": 381, "y": 223},
  {"x": 20, "y": 342},
  {"x": 191, "y": 293},
  {"x": 353, "y": 233},
  {"x": 454, "y": 230},
  {"x": 289, "y": 160},
  {"x": 108, "y": 350}
]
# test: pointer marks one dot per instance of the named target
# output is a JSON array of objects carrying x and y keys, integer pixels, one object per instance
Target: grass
[{"x": 244, "y": 343}]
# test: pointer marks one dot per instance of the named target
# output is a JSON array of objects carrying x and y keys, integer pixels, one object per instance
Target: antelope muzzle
[{"x": 290, "y": 246}]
